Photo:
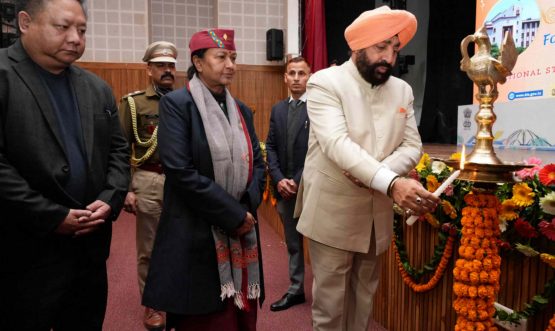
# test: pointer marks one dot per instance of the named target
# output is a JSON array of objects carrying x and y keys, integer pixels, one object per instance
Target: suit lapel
[
  {"x": 84, "y": 103},
  {"x": 27, "y": 72}
]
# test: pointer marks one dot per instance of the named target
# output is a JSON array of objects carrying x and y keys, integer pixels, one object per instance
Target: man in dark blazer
[
  {"x": 64, "y": 173},
  {"x": 286, "y": 147}
]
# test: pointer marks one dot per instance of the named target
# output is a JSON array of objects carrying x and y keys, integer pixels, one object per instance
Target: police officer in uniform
[{"x": 139, "y": 120}]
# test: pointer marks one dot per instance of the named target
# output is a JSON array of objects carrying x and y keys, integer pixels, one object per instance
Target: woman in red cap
[{"x": 206, "y": 267}]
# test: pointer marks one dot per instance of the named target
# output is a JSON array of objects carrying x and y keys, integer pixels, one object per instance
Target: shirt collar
[{"x": 302, "y": 98}]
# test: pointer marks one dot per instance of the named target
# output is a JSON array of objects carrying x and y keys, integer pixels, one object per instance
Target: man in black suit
[
  {"x": 286, "y": 147},
  {"x": 64, "y": 174}
]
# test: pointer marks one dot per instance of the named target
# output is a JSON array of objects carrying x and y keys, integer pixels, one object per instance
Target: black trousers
[{"x": 64, "y": 291}]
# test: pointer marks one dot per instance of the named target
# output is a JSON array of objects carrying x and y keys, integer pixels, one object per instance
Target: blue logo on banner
[{"x": 525, "y": 94}]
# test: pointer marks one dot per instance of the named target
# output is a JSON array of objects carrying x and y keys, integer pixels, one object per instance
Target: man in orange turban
[{"x": 363, "y": 139}]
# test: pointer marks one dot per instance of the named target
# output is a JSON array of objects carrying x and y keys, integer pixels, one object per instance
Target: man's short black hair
[
  {"x": 298, "y": 59},
  {"x": 34, "y": 6}
]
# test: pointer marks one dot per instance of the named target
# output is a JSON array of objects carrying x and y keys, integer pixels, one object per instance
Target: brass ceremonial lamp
[
  {"x": 482, "y": 164},
  {"x": 477, "y": 269}
]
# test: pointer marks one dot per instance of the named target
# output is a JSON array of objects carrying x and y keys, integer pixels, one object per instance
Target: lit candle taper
[{"x": 437, "y": 193}]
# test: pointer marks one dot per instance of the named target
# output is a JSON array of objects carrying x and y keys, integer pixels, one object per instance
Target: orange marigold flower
[
  {"x": 488, "y": 233},
  {"x": 448, "y": 209},
  {"x": 494, "y": 276},
  {"x": 456, "y": 272},
  {"x": 484, "y": 276},
  {"x": 547, "y": 174},
  {"x": 477, "y": 264},
  {"x": 523, "y": 195},
  {"x": 479, "y": 233},
  {"x": 465, "y": 241},
  {"x": 432, "y": 220},
  {"x": 467, "y": 221},
  {"x": 508, "y": 210},
  {"x": 480, "y": 253},
  {"x": 475, "y": 242},
  {"x": 487, "y": 263},
  {"x": 478, "y": 221},
  {"x": 464, "y": 276},
  {"x": 481, "y": 304},
  {"x": 472, "y": 315},
  {"x": 483, "y": 291},
  {"x": 474, "y": 277},
  {"x": 431, "y": 183},
  {"x": 548, "y": 258},
  {"x": 472, "y": 291},
  {"x": 488, "y": 224},
  {"x": 469, "y": 252}
]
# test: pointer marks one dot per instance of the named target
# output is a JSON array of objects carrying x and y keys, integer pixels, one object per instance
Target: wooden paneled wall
[{"x": 259, "y": 87}]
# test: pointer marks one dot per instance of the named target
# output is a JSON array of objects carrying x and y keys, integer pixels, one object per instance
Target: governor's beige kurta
[{"x": 356, "y": 128}]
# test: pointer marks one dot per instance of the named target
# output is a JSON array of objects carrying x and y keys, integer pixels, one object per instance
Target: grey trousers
[{"x": 294, "y": 241}]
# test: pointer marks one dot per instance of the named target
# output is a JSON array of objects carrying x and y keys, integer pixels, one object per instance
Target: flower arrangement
[{"x": 526, "y": 214}]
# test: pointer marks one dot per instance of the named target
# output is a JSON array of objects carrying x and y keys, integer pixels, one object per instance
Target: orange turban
[{"x": 377, "y": 25}]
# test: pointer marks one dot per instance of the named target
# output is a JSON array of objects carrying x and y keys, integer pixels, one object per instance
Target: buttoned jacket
[
  {"x": 276, "y": 143},
  {"x": 358, "y": 128},
  {"x": 34, "y": 166}
]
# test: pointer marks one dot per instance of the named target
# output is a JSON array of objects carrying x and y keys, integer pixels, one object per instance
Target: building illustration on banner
[{"x": 522, "y": 18}]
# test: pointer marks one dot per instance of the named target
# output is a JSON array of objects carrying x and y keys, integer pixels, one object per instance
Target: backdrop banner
[{"x": 524, "y": 124}]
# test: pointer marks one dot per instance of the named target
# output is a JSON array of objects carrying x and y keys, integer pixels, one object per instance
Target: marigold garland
[
  {"x": 432, "y": 282},
  {"x": 407, "y": 272},
  {"x": 476, "y": 273}
]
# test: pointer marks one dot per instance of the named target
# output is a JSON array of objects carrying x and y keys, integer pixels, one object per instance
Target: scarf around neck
[{"x": 231, "y": 153}]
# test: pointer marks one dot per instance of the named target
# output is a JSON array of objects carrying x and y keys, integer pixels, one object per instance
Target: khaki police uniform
[
  {"x": 148, "y": 179},
  {"x": 139, "y": 121}
]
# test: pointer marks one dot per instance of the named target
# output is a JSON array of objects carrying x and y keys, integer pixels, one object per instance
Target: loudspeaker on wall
[{"x": 274, "y": 45}]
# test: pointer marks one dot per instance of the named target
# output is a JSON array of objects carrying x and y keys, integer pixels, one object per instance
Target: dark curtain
[
  {"x": 339, "y": 14},
  {"x": 446, "y": 86},
  {"x": 315, "y": 50}
]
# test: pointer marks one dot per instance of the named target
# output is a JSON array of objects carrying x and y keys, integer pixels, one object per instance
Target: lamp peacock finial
[{"x": 482, "y": 68}]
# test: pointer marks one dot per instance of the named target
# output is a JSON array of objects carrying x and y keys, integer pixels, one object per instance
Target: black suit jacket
[
  {"x": 183, "y": 275},
  {"x": 34, "y": 166},
  {"x": 276, "y": 143}
]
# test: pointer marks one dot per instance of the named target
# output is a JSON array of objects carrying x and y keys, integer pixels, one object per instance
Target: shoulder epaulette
[{"x": 133, "y": 94}]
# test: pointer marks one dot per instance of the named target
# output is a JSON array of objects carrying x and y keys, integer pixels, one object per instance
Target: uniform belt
[{"x": 154, "y": 167}]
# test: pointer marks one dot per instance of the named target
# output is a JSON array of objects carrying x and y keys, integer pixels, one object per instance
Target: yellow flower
[
  {"x": 423, "y": 163},
  {"x": 507, "y": 212},
  {"x": 523, "y": 195},
  {"x": 455, "y": 156},
  {"x": 431, "y": 183},
  {"x": 448, "y": 209},
  {"x": 548, "y": 258}
]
